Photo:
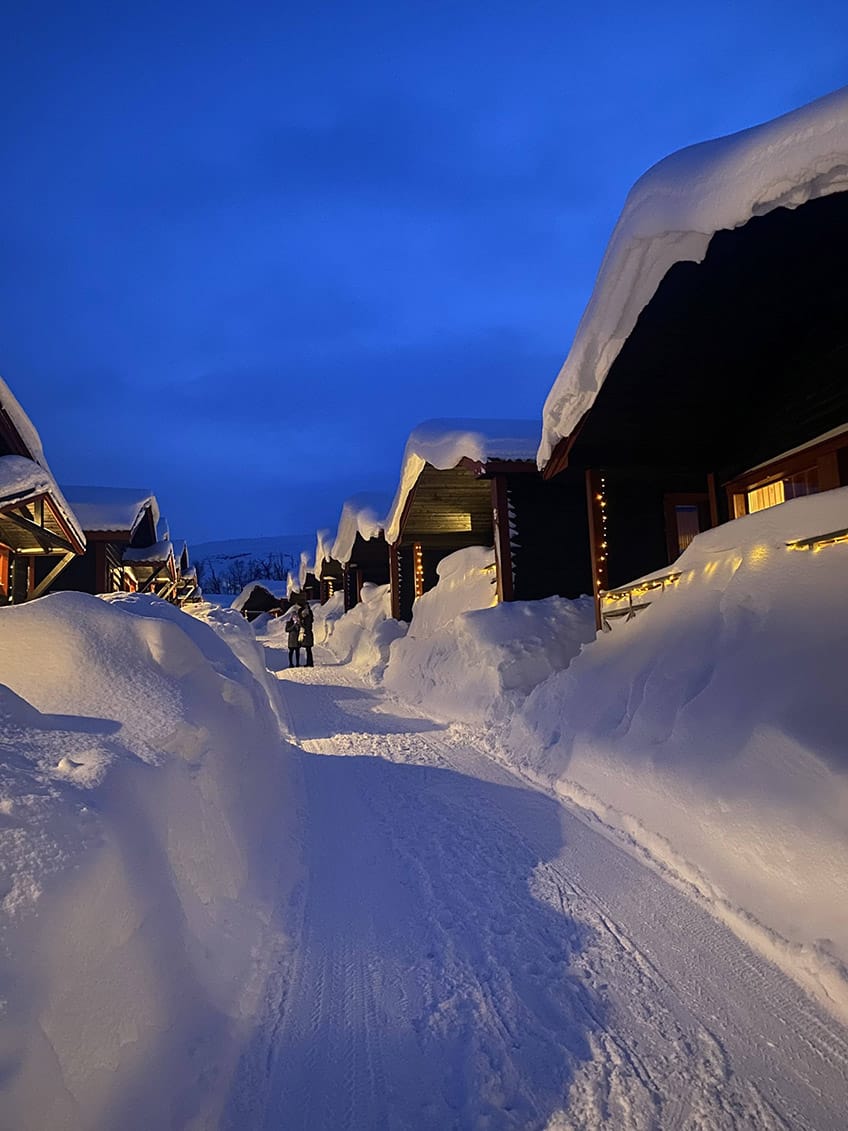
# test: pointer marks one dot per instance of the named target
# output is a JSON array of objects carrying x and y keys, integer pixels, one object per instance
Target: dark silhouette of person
[
  {"x": 307, "y": 638},
  {"x": 293, "y": 635}
]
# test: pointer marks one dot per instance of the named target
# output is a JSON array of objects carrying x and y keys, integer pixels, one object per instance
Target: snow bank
[
  {"x": 671, "y": 214},
  {"x": 711, "y": 731},
  {"x": 467, "y": 581},
  {"x": 143, "y": 788},
  {"x": 362, "y": 636},
  {"x": 469, "y": 659}
]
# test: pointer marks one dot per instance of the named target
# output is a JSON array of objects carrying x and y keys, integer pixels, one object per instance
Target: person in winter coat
[
  {"x": 307, "y": 638},
  {"x": 305, "y": 613},
  {"x": 293, "y": 636}
]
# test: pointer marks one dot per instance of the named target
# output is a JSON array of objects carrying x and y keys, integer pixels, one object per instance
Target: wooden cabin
[
  {"x": 488, "y": 499},
  {"x": 311, "y": 586},
  {"x": 259, "y": 597},
  {"x": 359, "y": 554},
  {"x": 188, "y": 588},
  {"x": 729, "y": 395},
  {"x": 153, "y": 569},
  {"x": 40, "y": 536},
  {"x": 368, "y": 564},
  {"x": 330, "y": 578},
  {"x": 115, "y": 519}
]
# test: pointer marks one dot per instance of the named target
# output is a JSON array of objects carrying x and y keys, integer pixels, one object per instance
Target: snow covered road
[{"x": 470, "y": 954}]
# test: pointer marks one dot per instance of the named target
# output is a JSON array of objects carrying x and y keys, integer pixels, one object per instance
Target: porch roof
[{"x": 23, "y": 480}]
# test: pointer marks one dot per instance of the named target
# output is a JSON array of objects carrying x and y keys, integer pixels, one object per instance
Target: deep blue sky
[{"x": 245, "y": 248}]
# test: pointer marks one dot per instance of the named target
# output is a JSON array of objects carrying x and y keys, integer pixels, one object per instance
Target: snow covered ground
[
  {"x": 473, "y": 954},
  {"x": 482, "y": 871}
]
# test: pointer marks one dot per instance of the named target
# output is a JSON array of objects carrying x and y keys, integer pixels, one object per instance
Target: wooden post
[
  {"x": 503, "y": 547},
  {"x": 598, "y": 554},
  {"x": 100, "y": 579},
  {"x": 394, "y": 578},
  {"x": 52, "y": 575},
  {"x": 711, "y": 488}
]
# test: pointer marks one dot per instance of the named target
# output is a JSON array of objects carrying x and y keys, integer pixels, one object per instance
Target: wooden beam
[
  {"x": 145, "y": 588},
  {"x": 47, "y": 541},
  {"x": 597, "y": 551},
  {"x": 713, "y": 493},
  {"x": 45, "y": 582},
  {"x": 503, "y": 546},
  {"x": 394, "y": 577}
]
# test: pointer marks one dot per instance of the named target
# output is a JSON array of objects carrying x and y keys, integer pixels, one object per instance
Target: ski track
[{"x": 470, "y": 954}]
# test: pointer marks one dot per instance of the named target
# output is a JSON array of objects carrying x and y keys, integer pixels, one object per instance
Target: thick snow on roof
[
  {"x": 149, "y": 555},
  {"x": 363, "y": 514},
  {"x": 22, "y": 423},
  {"x": 111, "y": 508},
  {"x": 323, "y": 548},
  {"x": 443, "y": 443},
  {"x": 670, "y": 215},
  {"x": 275, "y": 588},
  {"x": 30, "y": 437},
  {"x": 22, "y": 479}
]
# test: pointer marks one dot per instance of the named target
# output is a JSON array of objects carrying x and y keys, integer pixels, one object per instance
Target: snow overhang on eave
[
  {"x": 671, "y": 214},
  {"x": 362, "y": 515},
  {"x": 24, "y": 481},
  {"x": 446, "y": 444}
]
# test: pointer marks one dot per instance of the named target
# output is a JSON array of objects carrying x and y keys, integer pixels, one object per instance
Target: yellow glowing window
[
  {"x": 764, "y": 497},
  {"x": 791, "y": 487},
  {"x": 688, "y": 524}
]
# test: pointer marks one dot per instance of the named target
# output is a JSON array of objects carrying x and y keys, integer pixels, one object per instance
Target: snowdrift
[
  {"x": 711, "y": 730},
  {"x": 469, "y": 659},
  {"x": 143, "y": 790},
  {"x": 361, "y": 637}
]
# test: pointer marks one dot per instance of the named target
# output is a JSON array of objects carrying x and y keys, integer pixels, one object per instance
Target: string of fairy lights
[
  {"x": 418, "y": 568},
  {"x": 601, "y": 551}
]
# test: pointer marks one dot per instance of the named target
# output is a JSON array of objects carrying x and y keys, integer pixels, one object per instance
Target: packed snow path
[{"x": 468, "y": 953}]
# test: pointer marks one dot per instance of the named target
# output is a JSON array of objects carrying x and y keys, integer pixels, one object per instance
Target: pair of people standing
[{"x": 299, "y": 633}]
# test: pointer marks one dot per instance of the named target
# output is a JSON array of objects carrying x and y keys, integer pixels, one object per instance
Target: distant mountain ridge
[
  {"x": 230, "y": 548},
  {"x": 225, "y": 567}
]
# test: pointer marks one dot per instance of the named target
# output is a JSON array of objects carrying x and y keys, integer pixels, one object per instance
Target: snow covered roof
[
  {"x": 306, "y": 567},
  {"x": 363, "y": 514},
  {"x": 323, "y": 548},
  {"x": 23, "y": 479},
  {"x": 112, "y": 508},
  {"x": 444, "y": 443},
  {"x": 18, "y": 477},
  {"x": 275, "y": 588},
  {"x": 671, "y": 214},
  {"x": 22, "y": 424},
  {"x": 150, "y": 555}
]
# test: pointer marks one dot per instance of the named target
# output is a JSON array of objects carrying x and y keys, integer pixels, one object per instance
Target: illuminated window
[
  {"x": 761, "y": 498},
  {"x": 688, "y": 524},
  {"x": 792, "y": 487}
]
